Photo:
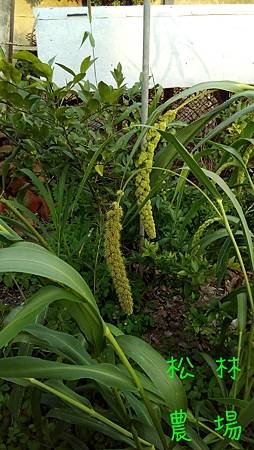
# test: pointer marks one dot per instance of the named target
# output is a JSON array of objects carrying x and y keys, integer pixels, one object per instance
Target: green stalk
[
  {"x": 240, "y": 259},
  {"x": 133, "y": 174},
  {"x": 205, "y": 427},
  {"x": 249, "y": 381},
  {"x": 251, "y": 386},
  {"x": 127, "y": 419},
  {"x": 89, "y": 6},
  {"x": 225, "y": 166},
  {"x": 239, "y": 347},
  {"x": 42, "y": 241},
  {"x": 18, "y": 287},
  {"x": 90, "y": 411},
  {"x": 238, "y": 253},
  {"x": 96, "y": 259},
  {"x": 138, "y": 384}
]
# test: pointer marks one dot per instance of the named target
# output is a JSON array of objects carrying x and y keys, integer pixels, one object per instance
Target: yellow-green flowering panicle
[
  {"x": 145, "y": 161},
  {"x": 241, "y": 173},
  {"x": 200, "y": 232},
  {"x": 115, "y": 259}
]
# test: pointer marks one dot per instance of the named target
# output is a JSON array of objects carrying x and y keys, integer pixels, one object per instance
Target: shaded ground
[
  {"x": 170, "y": 315},
  {"x": 10, "y": 297},
  {"x": 168, "y": 310}
]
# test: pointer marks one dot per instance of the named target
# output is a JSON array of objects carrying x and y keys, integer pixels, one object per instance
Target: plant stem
[
  {"x": 97, "y": 257},
  {"x": 239, "y": 347},
  {"x": 238, "y": 253},
  {"x": 138, "y": 384},
  {"x": 19, "y": 288},
  {"x": 89, "y": 5},
  {"x": 136, "y": 438},
  {"x": 251, "y": 386},
  {"x": 127, "y": 419},
  {"x": 141, "y": 235},
  {"x": 249, "y": 381},
  {"x": 90, "y": 411},
  {"x": 42, "y": 241},
  {"x": 205, "y": 427},
  {"x": 240, "y": 259}
]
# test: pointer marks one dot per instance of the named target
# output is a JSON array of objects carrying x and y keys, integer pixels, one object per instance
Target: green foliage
[
  {"x": 66, "y": 340},
  {"x": 18, "y": 434},
  {"x": 81, "y": 305}
]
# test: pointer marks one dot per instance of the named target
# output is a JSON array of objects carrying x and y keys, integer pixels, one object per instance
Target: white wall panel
[{"x": 189, "y": 44}]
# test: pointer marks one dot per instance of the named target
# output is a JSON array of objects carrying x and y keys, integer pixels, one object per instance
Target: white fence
[{"x": 189, "y": 44}]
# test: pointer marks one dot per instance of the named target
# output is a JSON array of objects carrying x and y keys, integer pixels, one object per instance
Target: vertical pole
[
  {"x": 145, "y": 82},
  {"x": 5, "y": 20},
  {"x": 145, "y": 64},
  {"x": 11, "y": 34}
]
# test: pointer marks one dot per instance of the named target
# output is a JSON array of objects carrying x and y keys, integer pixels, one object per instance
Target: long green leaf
[
  {"x": 155, "y": 367},
  {"x": 242, "y": 310},
  {"x": 231, "y": 401},
  {"x": 167, "y": 155},
  {"x": 35, "y": 305},
  {"x": 213, "y": 366},
  {"x": 225, "y": 123},
  {"x": 61, "y": 387},
  {"x": 149, "y": 433},
  {"x": 61, "y": 343},
  {"x": 223, "y": 185},
  {"x": 29, "y": 367},
  {"x": 196, "y": 443},
  {"x": 247, "y": 414},
  {"x": 88, "y": 422},
  {"x": 7, "y": 233},
  {"x": 244, "y": 90},
  {"x": 139, "y": 408},
  {"x": 21, "y": 226},
  {"x": 192, "y": 164},
  {"x": 24, "y": 55},
  {"x": 31, "y": 258},
  {"x": 67, "y": 69},
  {"x": 232, "y": 151},
  {"x": 89, "y": 322},
  {"x": 214, "y": 236}
]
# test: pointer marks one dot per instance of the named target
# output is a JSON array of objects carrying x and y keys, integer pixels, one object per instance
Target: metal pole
[
  {"x": 145, "y": 65},
  {"x": 12, "y": 24},
  {"x": 145, "y": 82}
]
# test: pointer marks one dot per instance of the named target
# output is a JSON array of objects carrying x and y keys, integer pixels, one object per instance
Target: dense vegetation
[{"x": 78, "y": 174}]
